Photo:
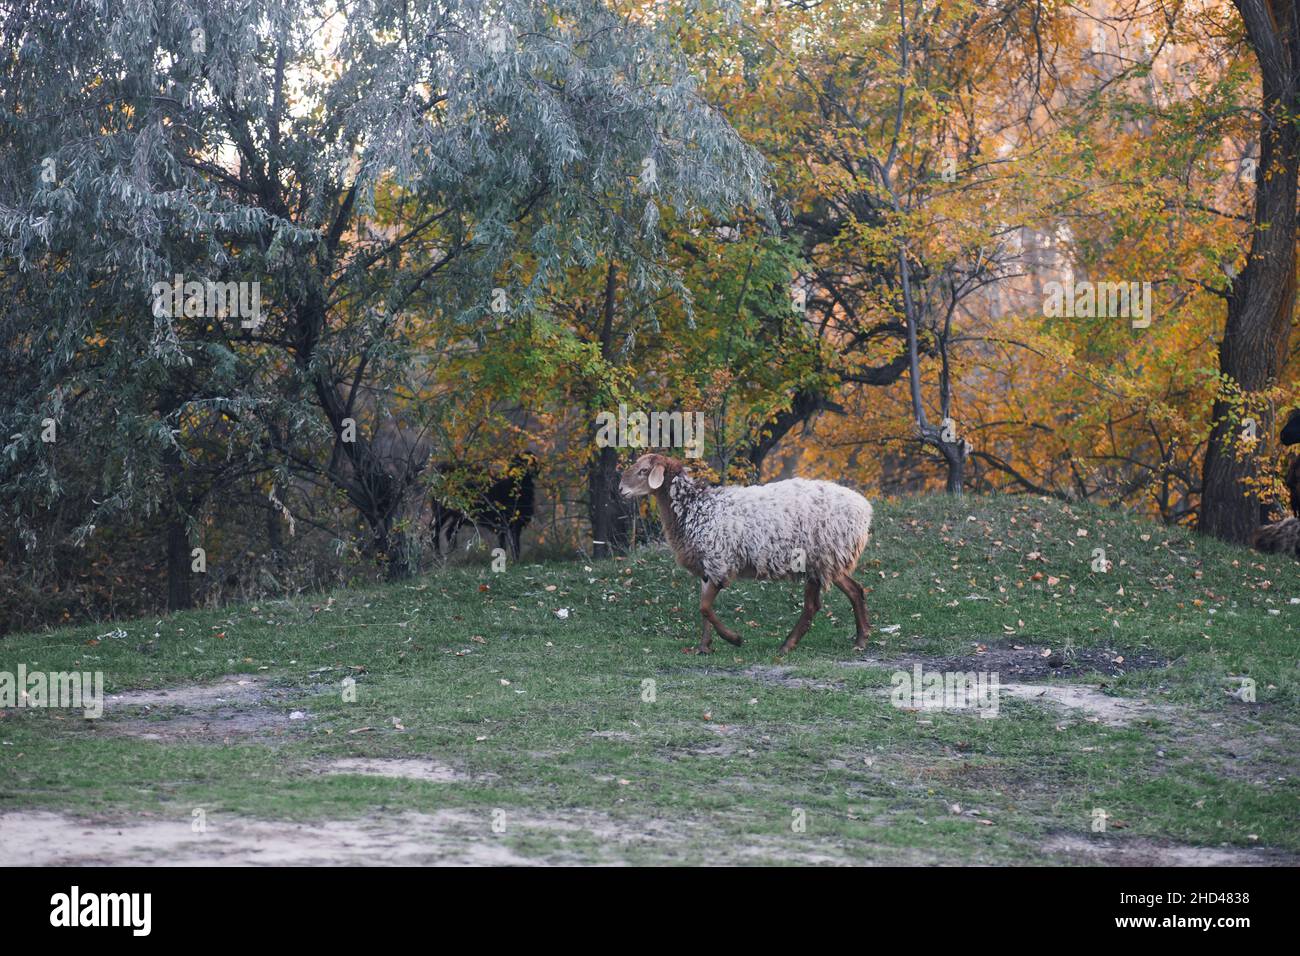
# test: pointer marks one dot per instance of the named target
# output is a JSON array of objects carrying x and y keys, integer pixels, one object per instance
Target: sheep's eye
[{"x": 642, "y": 471}]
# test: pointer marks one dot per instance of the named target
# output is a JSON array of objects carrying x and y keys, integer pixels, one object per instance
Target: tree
[
  {"x": 878, "y": 118},
  {"x": 381, "y": 169},
  {"x": 1261, "y": 303}
]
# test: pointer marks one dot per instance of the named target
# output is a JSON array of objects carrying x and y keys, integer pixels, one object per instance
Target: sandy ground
[
  {"x": 462, "y": 838},
  {"x": 1087, "y": 702},
  {"x": 444, "y": 837}
]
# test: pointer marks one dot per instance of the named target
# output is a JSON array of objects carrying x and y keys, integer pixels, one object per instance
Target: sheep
[{"x": 772, "y": 531}]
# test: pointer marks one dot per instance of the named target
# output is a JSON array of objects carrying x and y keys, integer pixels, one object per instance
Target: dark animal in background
[
  {"x": 504, "y": 508},
  {"x": 1280, "y": 537},
  {"x": 1291, "y": 430},
  {"x": 1283, "y": 537},
  {"x": 1291, "y": 436}
]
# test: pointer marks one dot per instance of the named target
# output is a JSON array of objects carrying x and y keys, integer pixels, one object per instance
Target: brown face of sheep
[{"x": 644, "y": 476}]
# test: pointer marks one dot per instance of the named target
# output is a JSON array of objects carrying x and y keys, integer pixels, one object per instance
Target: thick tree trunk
[{"x": 1262, "y": 300}]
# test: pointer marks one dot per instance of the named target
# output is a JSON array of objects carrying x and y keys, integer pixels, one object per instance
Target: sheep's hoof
[
  {"x": 785, "y": 649},
  {"x": 734, "y": 639},
  {"x": 861, "y": 643},
  {"x": 704, "y": 649}
]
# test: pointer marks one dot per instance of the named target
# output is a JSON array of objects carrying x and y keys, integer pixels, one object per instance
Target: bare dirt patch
[
  {"x": 230, "y": 689},
  {"x": 446, "y": 836},
  {"x": 721, "y": 749},
  {"x": 443, "y": 837},
  {"x": 1092, "y": 703},
  {"x": 236, "y": 706},
  {"x": 1137, "y": 851},
  {"x": 1026, "y": 662},
  {"x": 784, "y": 677},
  {"x": 1019, "y": 666},
  {"x": 467, "y": 838},
  {"x": 400, "y": 768},
  {"x": 1074, "y": 700}
]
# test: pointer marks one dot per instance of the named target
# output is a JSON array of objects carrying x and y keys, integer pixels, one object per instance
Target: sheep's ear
[{"x": 656, "y": 476}]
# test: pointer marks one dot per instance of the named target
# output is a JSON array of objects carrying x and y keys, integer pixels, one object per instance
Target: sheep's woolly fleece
[{"x": 767, "y": 531}]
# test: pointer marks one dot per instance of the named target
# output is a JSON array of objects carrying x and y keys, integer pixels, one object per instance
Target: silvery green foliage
[{"x": 364, "y": 161}]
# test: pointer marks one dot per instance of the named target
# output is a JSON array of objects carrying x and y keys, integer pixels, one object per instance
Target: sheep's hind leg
[
  {"x": 812, "y": 601},
  {"x": 858, "y": 598},
  {"x": 708, "y": 592}
]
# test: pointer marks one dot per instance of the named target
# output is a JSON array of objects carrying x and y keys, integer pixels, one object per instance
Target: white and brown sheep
[{"x": 778, "y": 530}]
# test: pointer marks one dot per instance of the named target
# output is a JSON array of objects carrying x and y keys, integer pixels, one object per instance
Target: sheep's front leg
[
  {"x": 858, "y": 598},
  {"x": 708, "y": 592},
  {"x": 812, "y": 601}
]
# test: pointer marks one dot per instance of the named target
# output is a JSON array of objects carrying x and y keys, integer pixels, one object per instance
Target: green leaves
[{"x": 380, "y": 169}]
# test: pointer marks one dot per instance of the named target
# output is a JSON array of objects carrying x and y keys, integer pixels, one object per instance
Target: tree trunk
[
  {"x": 182, "y": 499},
  {"x": 1262, "y": 299},
  {"x": 610, "y": 514},
  {"x": 397, "y": 560},
  {"x": 377, "y": 491},
  {"x": 954, "y": 456},
  {"x": 389, "y": 548},
  {"x": 953, "y": 451},
  {"x": 180, "y": 581}
]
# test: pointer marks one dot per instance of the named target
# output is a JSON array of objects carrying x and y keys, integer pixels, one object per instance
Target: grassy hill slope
[{"x": 591, "y": 735}]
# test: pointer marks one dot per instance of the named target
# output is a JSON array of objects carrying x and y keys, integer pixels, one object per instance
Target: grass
[{"x": 548, "y": 718}]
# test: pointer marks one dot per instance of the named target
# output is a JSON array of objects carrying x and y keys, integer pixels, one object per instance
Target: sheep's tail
[
  {"x": 863, "y": 539},
  {"x": 1281, "y": 537}
]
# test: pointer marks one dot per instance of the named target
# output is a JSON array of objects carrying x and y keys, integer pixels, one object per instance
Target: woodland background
[{"x": 826, "y": 225}]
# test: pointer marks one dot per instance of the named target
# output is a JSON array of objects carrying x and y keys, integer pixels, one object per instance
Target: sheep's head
[
  {"x": 647, "y": 475},
  {"x": 1291, "y": 430}
]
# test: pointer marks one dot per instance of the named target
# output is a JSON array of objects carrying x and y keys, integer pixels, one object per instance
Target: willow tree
[{"x": 377, "y": 167}]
